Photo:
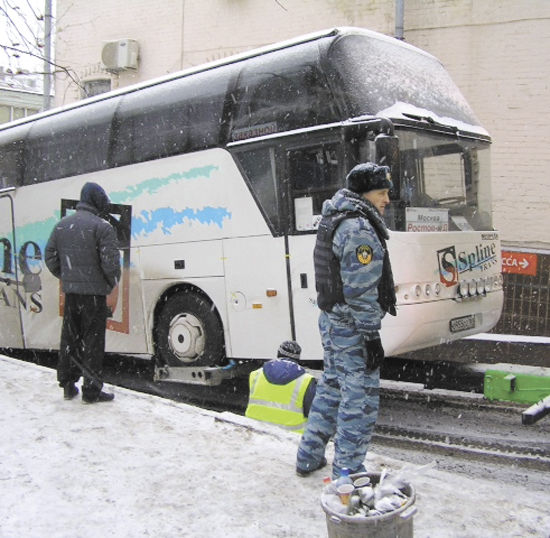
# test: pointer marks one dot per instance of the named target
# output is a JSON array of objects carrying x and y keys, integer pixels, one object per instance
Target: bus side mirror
[{"x": 387, "y": 154}]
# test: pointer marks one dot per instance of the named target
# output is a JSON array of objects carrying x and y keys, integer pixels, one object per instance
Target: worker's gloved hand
[{"x": 375, "y": 353}]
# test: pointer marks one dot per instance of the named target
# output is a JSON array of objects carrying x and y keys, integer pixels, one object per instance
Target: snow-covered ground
[{"x": 144, "y": 466}]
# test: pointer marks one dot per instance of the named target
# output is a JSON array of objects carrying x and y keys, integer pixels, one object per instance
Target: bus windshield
[
  {"x": 380, "y": 74},
  {"x": 443, "y": 185}
]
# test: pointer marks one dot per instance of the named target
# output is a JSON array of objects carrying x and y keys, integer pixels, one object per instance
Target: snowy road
[{"x": 146, "y": 466}]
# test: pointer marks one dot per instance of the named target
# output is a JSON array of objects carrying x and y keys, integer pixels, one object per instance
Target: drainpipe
[
  {"x": 399, "y": 18},
  {"x": 47, "y": 53},
  {"x": 182, "y": 36}
]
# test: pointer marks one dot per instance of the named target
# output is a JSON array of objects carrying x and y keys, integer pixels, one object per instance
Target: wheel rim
[{"x": 186, "y": 337}]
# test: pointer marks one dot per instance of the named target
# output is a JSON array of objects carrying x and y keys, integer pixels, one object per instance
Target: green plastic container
[{"x": 512, "y": 387}]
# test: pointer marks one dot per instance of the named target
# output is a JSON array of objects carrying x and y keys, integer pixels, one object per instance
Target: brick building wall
[
  {"x": 495, "y": 50},
  {"x": 497, "y": 54},
  {"x": 177, "y": 34}
]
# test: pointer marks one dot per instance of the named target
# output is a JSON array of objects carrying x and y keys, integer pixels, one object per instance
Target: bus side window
[
  {"x": 284, "y": 93},
  {"x": 12, "y": 157},
  {"x": 316, "y": 173},
  {"x": 180, "y": 116},
  {"x": 258, "y": 166},
  {"x": 11, "y": 164},
  {"x": 73, "y": 143}
]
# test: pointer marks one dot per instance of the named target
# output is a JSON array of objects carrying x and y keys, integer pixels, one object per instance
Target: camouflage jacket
[{"x": 357, "y": 247}]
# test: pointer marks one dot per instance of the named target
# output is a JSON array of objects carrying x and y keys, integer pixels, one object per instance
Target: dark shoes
[
  {"x": 70, "y": 390},
  {"x": 307, "y": 472},
  {"x": 101, "y": 397}
]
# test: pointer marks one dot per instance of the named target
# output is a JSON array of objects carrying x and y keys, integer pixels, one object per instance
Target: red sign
[{"x": 520, "y": 263}]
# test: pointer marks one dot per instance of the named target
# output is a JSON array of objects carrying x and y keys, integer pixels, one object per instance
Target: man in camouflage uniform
[{"x": 355, "y": 289}]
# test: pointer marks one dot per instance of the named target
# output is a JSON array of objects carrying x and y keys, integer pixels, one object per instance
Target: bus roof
[
  {"x": 314, "y": 80},
  {"x": 333, "y": 32}
]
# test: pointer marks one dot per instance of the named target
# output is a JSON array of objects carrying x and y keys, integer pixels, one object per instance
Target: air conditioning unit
[{"x": 120, "y": 55}]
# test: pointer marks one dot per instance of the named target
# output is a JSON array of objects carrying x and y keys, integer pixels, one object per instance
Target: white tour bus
[{"x": 217, "y": 175}]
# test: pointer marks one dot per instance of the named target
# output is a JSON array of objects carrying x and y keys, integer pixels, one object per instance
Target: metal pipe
[
  {"x": 399, "y": 19},
  {"x": 47, "y": 53}
]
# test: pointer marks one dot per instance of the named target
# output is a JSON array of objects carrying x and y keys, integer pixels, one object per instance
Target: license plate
[{"x": 463, "y": 323}]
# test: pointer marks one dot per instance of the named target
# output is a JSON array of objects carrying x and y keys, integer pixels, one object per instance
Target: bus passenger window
[
  {"x": 12, "y": 163},
  {"x": 283, "y": 92},
  {"x": 12, "y": 160},
  {"x": 179, "y": 116},
  {"x": 69, "y": 144},
  {"x": 258, "y": 166},
  {"x": 315, "y": 172}
]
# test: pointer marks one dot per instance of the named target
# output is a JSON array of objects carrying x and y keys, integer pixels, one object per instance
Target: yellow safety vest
[{"x": 279, "y": 404}]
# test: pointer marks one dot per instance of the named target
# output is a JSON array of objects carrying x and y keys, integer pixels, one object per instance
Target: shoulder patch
[{"x": 364, "y": 254}]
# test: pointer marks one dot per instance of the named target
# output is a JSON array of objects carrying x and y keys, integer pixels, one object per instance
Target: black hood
[{"x": 93, "y": 195}]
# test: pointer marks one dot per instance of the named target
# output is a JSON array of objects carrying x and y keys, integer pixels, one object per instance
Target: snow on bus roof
[{"x": 280, "y": 45}]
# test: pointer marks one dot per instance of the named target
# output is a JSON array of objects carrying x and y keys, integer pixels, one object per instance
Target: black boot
[
  {"x": 70, "y": 390},
  {"x": 307, "y": 472},
  {"x": 101, "y": 397}
]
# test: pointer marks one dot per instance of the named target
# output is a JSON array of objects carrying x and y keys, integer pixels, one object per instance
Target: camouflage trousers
[{"x": 346, "y": 401}]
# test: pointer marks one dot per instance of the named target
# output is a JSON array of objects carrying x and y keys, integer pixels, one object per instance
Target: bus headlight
[{"x": 480, "y": 286}]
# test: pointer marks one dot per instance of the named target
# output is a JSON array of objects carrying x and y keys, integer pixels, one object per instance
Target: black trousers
[{"x": 83, "y": 342}]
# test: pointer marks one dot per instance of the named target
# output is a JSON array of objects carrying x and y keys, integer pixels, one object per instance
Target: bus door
[
  {"x": 11, "y": 334},
  {"x": 255, "y": 260},
  {"x": 314, "y": 174}
]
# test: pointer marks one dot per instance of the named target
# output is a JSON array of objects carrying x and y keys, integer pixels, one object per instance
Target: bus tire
[{"x": 189, "y": 333}]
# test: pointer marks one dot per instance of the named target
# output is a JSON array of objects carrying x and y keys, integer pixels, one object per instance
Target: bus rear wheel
[{"x": 189, "y": 332}]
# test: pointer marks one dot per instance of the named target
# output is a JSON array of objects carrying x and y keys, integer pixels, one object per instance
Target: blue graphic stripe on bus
[
  {"x": 152, "y": 185},
  {"x": 38, "y": 232},
  {"x": 166, "y": 218}
]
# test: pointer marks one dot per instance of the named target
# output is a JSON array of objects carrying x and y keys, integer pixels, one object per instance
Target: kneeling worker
[{"x": 281, "y": 392}]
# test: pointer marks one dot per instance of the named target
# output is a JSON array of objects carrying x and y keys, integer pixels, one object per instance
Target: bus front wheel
[{"x": 189, "y": 332}]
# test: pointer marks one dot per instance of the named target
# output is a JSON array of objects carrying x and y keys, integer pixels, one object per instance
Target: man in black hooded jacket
[{"x": 82, "y": 252}]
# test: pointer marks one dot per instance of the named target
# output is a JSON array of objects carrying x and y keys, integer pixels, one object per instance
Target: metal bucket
[{"x": 395, "y": 524}]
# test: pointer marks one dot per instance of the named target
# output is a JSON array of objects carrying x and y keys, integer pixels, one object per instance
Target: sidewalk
[{"x": 144, "y": 466}]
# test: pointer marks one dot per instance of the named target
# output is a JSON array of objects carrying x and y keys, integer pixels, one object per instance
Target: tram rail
[
  {"x": 471, "y": 448},
  {"x": 464, "y": 424}
]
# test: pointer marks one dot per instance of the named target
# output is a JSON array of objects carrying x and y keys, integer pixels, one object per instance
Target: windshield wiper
[{"x": 427, "y": 119}]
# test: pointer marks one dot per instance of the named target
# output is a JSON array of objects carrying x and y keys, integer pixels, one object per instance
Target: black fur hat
[{"x": 368, "y": 177}]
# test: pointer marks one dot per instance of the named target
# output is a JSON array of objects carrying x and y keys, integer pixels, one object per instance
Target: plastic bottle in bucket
[{"x": 344, "y": 478}]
